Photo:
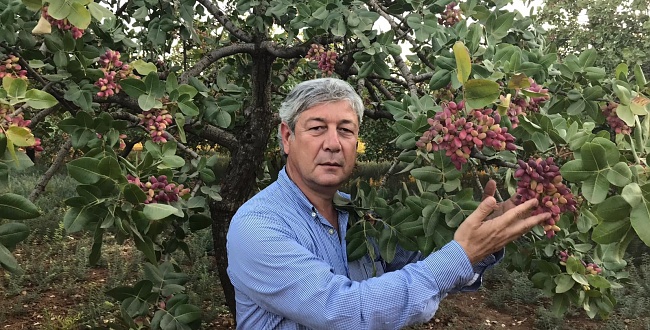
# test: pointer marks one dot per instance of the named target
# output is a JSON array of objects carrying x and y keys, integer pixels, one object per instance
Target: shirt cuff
[
  {"x": 450, "y": 266},
  {"x": 480, "y": 267}
]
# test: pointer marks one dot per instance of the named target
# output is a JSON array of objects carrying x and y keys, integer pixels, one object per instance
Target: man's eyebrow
[{"x": 322, "y": 120}]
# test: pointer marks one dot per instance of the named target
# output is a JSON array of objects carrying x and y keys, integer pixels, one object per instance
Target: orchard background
[{"x": 553, "y": 105}]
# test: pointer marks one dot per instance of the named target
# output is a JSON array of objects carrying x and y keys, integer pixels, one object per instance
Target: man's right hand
[{"x": 481, "y": 238}]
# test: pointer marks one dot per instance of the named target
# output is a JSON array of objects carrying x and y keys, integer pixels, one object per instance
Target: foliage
[
  {"x": 99, "y": 73},
  {"x": 578, "y": 25}
]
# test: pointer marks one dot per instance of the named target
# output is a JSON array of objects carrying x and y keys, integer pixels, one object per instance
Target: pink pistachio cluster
[
  {"x": 616, "y": 123},
  {"x": 451, "y": 15},
  {"x": 326, "y": 59},
  {"x": 457, "y": 133},
  {"x": 520, "y": 105},
  {"x": 9, "y": 67},
  {"x": 540, "y": 179},
  {"x": 114, "y": 70},
  {"x": 156, "y": 121},
  {"x": 158, "y": 189},
  {"x": 62, "y": 24},
  {"x": 7, "y": 120},
  {"x": 591, "y": 267}
]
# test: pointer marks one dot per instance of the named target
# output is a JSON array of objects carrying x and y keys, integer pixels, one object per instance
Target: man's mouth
[{"x": 330, "y": 164}]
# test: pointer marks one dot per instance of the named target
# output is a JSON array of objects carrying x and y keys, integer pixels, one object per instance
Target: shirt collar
[{"x": 287, "y": 184}]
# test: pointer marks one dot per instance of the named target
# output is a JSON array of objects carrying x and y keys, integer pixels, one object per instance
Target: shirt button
[
  {"x": 313, "y": 214},
  {"x": 331, "y": 231}
]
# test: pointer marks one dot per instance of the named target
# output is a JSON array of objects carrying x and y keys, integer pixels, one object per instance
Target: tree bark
[{"x": 240, "y": 178}]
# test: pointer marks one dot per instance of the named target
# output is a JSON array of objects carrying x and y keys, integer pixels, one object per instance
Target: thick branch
[
  {"x": 216, "y": 135},
  {"x": 122, "y": 99},
  {"x": 37, "y": 118},
  {"x": 58, "y": 161},
  {"x": 225, "y": 21},
  {"x": 406, "y": 73},
  {"x": 214, "y": 56}
]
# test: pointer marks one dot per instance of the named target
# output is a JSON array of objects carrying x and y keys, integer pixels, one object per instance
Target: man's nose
[{"x": 332, "y": 141}]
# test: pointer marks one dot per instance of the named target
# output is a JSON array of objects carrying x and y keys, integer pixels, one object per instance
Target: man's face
[{"x": 323, "y": 147}]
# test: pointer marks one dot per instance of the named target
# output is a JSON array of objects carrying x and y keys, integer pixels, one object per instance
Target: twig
[
  {"x": 478, "y": 180},
  {"x": 45, "y": 179},
  {"x": 492, "y": 174}
]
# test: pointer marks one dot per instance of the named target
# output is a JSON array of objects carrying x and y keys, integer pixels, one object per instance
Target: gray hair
[{"x": 311, "y": 93}]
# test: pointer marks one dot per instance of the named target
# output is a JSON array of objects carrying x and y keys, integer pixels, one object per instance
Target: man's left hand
[{"x": 501, "y": 208}]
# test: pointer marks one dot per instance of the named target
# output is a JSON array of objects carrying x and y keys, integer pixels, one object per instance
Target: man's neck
[{"x": 322, "y": 199}]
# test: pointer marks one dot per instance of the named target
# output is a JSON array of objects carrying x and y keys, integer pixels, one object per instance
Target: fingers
[
  {"x": 483, "y": 210},
  {"x": 527, "y": 224},
  {"x": 490, "y": 189},
  {"x": 519, "y": 212}
]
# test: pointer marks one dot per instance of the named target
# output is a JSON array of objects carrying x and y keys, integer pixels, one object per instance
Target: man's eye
[
  {"x": 346, "y": 130},
  {"x": 316, "y": 128}
]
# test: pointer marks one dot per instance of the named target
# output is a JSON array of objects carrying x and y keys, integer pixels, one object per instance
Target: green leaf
[
  {"x": 99, "y": 12},
  {"x": 428, "y": 174},
  {"x": 146, "y": 246},
  {"x": 640, "y": 215},
  {"x": 440, "y": 79},
  {"x": 620, "y": 175},
  {"x": 188, "y": 108},
  {"x": 38, "y": 99},
  {"x": 463, "y": 61},
  {"x": 20, "y": 136},
  {"x": 148, "y": 101},
  {"x": 85, "y": 170},
  {"x": 133, "y": 87},
  {"x": 76, "y": 218},
  {"x": 639, "y": 76},
  {"x": 573, "y": 171},
  {"x": 110, "y": 168},
  {"x": 133, "y": 194},
  {"x": 171, "y": 84},
  {"x": 187, "y": 89},
  {"x": 13, "y": 233},
  {"x": 632, "y": 194},
  {"x": 59, "y": 9},
  {"x": 16, "y": 207},
  {"x": 187, "y": 313},
  {"x": 622, "y": 93},
  {"x": 588, "y": 58},
  {"x": 156, "y": 211},
  {"x": 143, "y": 68},
  {"x": 7, "y": 261},
  {"x": 595, "y": 188},
  {"x": 593, "y": 157},
  {"x": 564, "y": 283},
  {"x": 388, "y": 244},
  {"x": 199, "y": 221},
  {"x": 614, "y": 208},
  {"x": 15, "y": 87},
  {"x": 480, "y": 93},
  {"x": 610, "y": 232},
  {"x": 33, "y": 5},
  {"x": 79, "y": 16}
]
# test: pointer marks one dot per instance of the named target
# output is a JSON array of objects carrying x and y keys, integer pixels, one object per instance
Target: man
[{"x": 286, "y": 246}]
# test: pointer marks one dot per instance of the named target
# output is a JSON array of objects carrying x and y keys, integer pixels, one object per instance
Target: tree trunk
[{"x": 239, "y": 180}]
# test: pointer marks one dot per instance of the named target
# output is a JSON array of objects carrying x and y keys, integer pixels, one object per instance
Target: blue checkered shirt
[{"x": 290, "y": 271}]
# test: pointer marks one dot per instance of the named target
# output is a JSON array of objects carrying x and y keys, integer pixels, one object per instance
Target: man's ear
[{"x": 285, "y": 133}]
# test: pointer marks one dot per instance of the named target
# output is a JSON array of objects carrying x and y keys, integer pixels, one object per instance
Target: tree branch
[
  {"x": 493, "y": 161},
  {"x": 47, "y": 176},
  {"x": 122, "y": 99},
  {"x": 214, "y": 56},
  {"x": 225, "y": 21}
]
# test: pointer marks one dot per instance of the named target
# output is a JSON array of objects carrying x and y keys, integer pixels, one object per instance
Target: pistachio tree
[{"x": 469, "y": 88}]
